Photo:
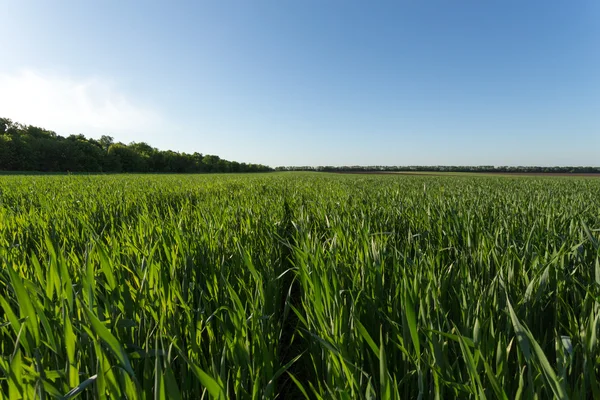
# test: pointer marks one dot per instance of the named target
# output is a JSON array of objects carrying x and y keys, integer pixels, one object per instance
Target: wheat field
[{"x": 299, "y": 285}]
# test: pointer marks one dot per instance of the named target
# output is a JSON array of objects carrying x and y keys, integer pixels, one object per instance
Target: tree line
[
  {"x": 30, "y": 148},
  {"x": 443, "y": 168}
]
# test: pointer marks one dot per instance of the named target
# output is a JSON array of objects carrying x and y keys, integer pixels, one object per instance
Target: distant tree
[
  {"x": 39, "y": 132},
  {"x": 197, "y": 159},
  {"x": 172, "y": 162},
  {"x": 128, "y": 159},
  {"x": 106, "y": 141},
  {"x": 142, "y": 148},
  {"x": 156, "y": 162},
  {"x": 211, "y": 163},
  {"x": 8, "y": 156},
  {"x": 223, "y": 166},
  {"x": 77, "y": 137},
  {"x": 31, "y": 148},
  {"x": 5, "y": 123},
  {"x": 9, "y": 127}
]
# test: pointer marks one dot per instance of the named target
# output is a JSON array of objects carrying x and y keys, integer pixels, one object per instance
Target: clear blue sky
[{"x": 326, "y": 82}]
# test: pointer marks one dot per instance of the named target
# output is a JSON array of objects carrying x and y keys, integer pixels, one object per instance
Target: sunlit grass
[{"x": 299, "y": 285}]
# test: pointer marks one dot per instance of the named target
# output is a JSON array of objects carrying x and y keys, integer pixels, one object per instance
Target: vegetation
[
  {"x": 446, "y": 168},
  {"x": 299, "y": 285},
  {"x": 29, "y": 148}
]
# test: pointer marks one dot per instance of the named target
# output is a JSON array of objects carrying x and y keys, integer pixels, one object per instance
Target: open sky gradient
[{"x": 308, "y": 82}]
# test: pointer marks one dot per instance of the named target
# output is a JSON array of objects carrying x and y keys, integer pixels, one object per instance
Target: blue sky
[{"x": 304, "y": 82}]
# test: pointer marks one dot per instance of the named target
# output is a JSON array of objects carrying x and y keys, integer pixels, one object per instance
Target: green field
[{"x": 299, "y": 285}]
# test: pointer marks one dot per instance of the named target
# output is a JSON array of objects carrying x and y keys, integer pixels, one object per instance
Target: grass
[{"x": 299, "y": 286}]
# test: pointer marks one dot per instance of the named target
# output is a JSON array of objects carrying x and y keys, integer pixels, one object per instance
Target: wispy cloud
[{"x": 92, "y": 106}]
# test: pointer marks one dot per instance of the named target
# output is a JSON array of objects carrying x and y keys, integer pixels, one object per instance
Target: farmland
[{"x": 299, "y": 285}]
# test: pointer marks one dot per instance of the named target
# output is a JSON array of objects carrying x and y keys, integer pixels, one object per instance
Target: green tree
[
  {"x": 106, "y": 141},
  {"x": 31, "y": 148}
]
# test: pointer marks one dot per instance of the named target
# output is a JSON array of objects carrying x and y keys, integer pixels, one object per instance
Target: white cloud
[{"x": 92, "y": 106}]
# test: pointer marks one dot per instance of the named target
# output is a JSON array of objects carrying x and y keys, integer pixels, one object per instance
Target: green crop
[{"x": 299, "y": 286}]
